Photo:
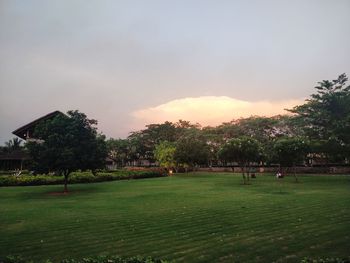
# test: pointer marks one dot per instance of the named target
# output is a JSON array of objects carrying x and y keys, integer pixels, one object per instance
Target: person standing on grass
[{"x": 278, "y": 175}]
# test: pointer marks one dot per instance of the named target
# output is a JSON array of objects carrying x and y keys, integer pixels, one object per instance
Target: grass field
[{"x": 198, "y": 217}]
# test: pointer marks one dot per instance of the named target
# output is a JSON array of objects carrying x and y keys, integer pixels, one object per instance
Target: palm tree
[{"x": 13, "y": 145}]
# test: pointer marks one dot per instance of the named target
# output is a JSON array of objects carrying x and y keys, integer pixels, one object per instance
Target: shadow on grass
[
  {"x": 280, "y": 193},
  {"x": 57, "y": 191}
]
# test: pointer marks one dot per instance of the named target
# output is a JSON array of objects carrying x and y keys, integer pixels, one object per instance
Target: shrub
[
  {"x": 77, "y": 177},
  {"x": 98, "y": 259},
  {"x": 325, "y": 260}
]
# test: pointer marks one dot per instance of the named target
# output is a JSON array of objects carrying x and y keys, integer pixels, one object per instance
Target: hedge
[
  {"x": 77, "y": 177},
  {"x": 117, "y": 259},
  {"x": 325, "y": 260},
  {"x": 99, "y": 259}
]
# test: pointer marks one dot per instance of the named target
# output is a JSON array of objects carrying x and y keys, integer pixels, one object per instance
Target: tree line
[{"x": 317, "y": 129}]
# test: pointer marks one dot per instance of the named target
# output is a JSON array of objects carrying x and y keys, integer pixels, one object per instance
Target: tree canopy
[
  {"x": 290, "y": 151},
  {"x": 191, "y": 150},
  {"x": 243, "y": 150},
  {"x": 71, "y": 142},
  {"x": 165, "y": 154},
  {"x": 325, "y": 118},
  {"x": 12, "y": 145},
  {"x": 67, "y": 143}
]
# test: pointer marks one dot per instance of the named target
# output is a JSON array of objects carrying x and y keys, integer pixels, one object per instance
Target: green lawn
[{"x": 198, "y": 217}]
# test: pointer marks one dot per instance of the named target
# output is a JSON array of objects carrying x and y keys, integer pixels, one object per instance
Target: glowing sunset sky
[{"x": 131, "y": 63}]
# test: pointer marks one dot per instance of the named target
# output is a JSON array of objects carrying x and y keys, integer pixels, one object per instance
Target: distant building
[{"x": 16, "y": 160}]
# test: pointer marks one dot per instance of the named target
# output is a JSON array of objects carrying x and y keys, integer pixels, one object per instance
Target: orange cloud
[{"x": 211, "y": 110}]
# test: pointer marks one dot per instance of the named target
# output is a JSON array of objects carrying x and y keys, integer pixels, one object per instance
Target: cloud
[{"x": 210, "y": 110}]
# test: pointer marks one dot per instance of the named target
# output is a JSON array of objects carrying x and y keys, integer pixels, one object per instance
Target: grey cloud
[{"x": 112, "y": 58}]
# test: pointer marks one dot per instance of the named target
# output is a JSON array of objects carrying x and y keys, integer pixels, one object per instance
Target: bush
[
  {"x": 99, "y": 259},
  {"x": 77, "y": 177},
  {"x": 326, "y": 260}
]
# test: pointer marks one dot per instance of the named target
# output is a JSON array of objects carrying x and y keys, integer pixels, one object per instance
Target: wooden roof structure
[{"x": 26, "y": 131}]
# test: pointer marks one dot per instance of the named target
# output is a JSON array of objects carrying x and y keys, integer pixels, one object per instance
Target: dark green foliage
[
  {"x": 289, "y": 151},
  {"x": 325, "y": 260},
  {"x": 119, "y": 151},
  {"x": 142, "y": 143},
  {"x": 13, "y": 145},
  {"x": 99, "y": 259},
  {"x": 191, "y": 150},
  {"x": 325, "y": 118},
  {"x": 115, "y": 259},
  {"x": 243, "y": 150},
  {"x": 68, "y": 143},
  {"x": 164, "y": 154},
  {"x": 13, "y": 155},
  {"x": 77, "y": 178}
]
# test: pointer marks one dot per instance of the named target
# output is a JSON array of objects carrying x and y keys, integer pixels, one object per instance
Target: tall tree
[
  {"x": 68, "y": 143},
  {"x": 325, "y": 117},
  {"x": 290, "y": 151},
  {"x": 13, "y": 145},
  {"x": 165, "y": 155},
  {"x": 192, "y": 150},
  {"x": 264, "y": 129},
  {"x": 143, "y": 142},
  {"x": 243, "y": 150},
  {"x": 119, "y": 151}
]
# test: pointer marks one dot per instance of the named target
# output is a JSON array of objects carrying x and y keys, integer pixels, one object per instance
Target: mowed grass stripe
[{"x": 190, "y": 218}]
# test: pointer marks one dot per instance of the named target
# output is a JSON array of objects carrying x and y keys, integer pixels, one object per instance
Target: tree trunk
[
  {"x": 248, "y": 173},
  {"x": 66, "y": 173},
  {"x": 243, "y": 174},
  {"x": 295, "y": 174}
]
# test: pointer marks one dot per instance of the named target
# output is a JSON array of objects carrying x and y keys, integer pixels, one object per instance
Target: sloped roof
[{"x": 22, "y": 130}]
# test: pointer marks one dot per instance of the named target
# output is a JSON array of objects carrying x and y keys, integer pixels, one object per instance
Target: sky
[{"x": 131, "y": 63}]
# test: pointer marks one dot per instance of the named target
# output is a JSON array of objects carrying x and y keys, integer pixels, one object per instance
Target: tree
[
  {"x": 243, "y": 150},
  {"x": 13, "y": 145},
  {"x": 14, "y": 149},
  {"x": 143, "y": 142},
  {"x": 118, "y": 151},
  {"x": 214, "y": 140},
  {"x": 290, "y": 151},
  {"x": 165, "y": 155},
  {"x": 263, "y": 129},
  {"x": 325, "y": 118},
  {"x": 68, "y": 143},
  {"x": 191, "y": 150}
]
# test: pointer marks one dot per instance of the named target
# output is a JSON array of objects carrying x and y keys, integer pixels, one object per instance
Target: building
[{"x": 17, "y": 160}]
